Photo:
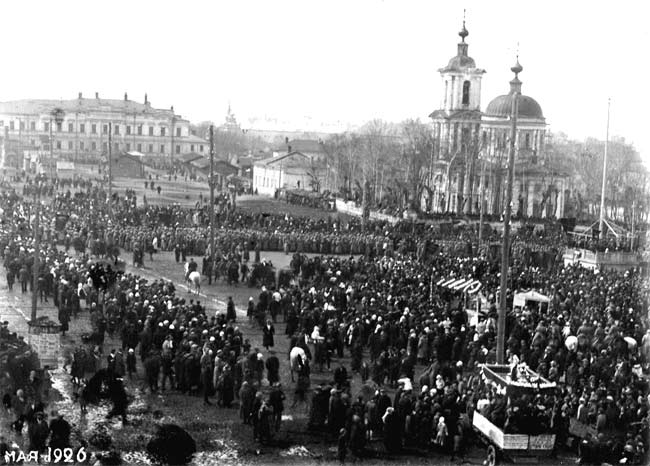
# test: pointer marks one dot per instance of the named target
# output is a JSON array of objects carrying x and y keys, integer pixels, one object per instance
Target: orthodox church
[{"x": 471, "y": 148}]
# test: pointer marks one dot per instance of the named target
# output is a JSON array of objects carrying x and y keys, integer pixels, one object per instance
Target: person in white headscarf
[{"x": 441, "y": 432}]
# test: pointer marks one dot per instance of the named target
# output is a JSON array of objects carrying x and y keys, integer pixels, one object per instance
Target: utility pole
[
  {"x": 601, "y": 223},
  {"x": 211, "y": 183},
  {"x": 515, "y": 89},
  {"x": 633, "y": 225},
  {"x": 449, "y": 180},
  {"x": 52, "y": 169},
  {"x": 110, "y": 171},
  {"x": 481, "y": 206},
  {"x": 36, "y": 228}
]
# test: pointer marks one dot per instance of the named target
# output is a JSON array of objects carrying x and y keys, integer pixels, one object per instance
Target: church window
[
  {"x": 446, "y": 91},
  {"x": 484, "y": 138},
  {"x": 527, "y": 141},
  {"x": 466, "y": 93}
]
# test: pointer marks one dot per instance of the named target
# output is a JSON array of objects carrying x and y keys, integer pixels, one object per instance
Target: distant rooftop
[{"x": 85, "y": 105}]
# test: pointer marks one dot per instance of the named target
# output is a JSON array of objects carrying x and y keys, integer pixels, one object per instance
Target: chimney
[
  {"x": 96, "y": 95},
  {"x": 172, "y": 109},
  {"x": 286, "y": 140},
  {"x": 288, "y": 149},
  {"x": 146, "y": 100},
  {"x": 80, "y": 96},
  {"x": 126, "y": 96}
]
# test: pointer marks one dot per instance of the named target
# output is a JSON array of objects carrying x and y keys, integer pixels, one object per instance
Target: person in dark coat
[
  {"x": 267, "y": 334},
  {"x": 38, "y": 433},
  {"x": 118, "y": 396},
  {"x": 257, "y": 405},
  {"x": 23, "y": 276},
  {"x": 272, "y": 368},
  {"x": 392, "y": 437},
  {"x": 227, "y": 387},
  {"x": 10, "y": 279},
  {"x": 60, "y": 430},
  {"x": 357, "y": 436},
  {"x": 250, "y": 311},
  {"x": 246, "y": 398},
  {"x": 265, "y": 418},
  {"x": 231, "y": 312},
  {"x": 64, "y": 319},
  {"x": 342, "y": 446},
  {"x": 131, "y": 363},
  {"x": 276, "y": 400},
  {"x": 152, "y": 369}
]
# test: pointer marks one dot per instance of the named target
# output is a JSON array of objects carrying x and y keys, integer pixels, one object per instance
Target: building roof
[
  {"x": 456, "y": 115},
  {"x": 460, "y": 63},
  {"x": 194, "y": 138},
  {"x": 220, "y": 166},
  {"x": 290, "y": 159},
  {"x": 502, "y": 107},
  {"x": 224, "y": 167},
  {"x": 130, "y": 156},
  {"x": 83, "y": 105},
  {"x": 306, "y": 145},
  {"x": 187, "y": 158},
  {"x": 200, "y": 163}
]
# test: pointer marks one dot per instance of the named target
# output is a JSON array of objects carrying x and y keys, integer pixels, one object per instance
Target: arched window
[{"x": 466, "y": 93}]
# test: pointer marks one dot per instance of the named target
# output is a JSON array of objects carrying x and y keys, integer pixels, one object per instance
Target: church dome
[
  {"x": 461, "y": 62},
  {"x": 502, "y": 107}
]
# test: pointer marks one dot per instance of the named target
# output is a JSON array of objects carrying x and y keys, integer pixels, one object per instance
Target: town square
[{"x": 324, "y": 233}]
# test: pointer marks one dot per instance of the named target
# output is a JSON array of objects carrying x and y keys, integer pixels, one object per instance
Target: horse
[
  {"x": 297, "y": 357},
  {"x": 194, "y": 279}
]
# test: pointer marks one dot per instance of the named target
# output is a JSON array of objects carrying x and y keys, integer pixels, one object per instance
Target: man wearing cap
[
  {"x": 60, "y": 429},
  {"x": 38, "y": 433}
]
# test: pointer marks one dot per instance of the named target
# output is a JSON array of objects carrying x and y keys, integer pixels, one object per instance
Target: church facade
[{"x": 471, "y": 148}]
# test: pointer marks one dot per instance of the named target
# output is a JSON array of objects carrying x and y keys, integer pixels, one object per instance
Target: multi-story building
[{"x": 79, "y": 128}]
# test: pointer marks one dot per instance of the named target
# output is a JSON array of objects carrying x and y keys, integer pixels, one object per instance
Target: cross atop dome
[
  {"x": 463, "y": 32},
  {"x": 515, "y": 84}
]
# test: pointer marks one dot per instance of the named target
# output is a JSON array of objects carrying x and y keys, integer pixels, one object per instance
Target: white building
[
  {"x": 81, "y": 132},
  {"x": 471, "y": 148},
  {"x": 293, "y": 170}
]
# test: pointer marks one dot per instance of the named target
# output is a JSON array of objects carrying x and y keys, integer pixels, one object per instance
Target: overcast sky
[{"x": 347, "y": 61}]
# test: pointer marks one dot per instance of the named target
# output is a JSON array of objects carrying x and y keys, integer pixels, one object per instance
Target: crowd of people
[{"x": 371, "y": 296}]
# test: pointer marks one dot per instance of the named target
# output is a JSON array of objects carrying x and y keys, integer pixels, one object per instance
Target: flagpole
[{"x": 601, "y": 224}]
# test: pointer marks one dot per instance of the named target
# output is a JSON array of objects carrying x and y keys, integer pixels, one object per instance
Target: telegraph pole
[
  {"x": 601, "y": 223},
  {"x": 481, "y": 206},
  {"x": 36, "y": 227},
  {"x": 515, "y": 89},
  {"x": 52, "y": 167},
  {"x": 211, "y": 183},
  {"x": 110, "y": 172}
]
